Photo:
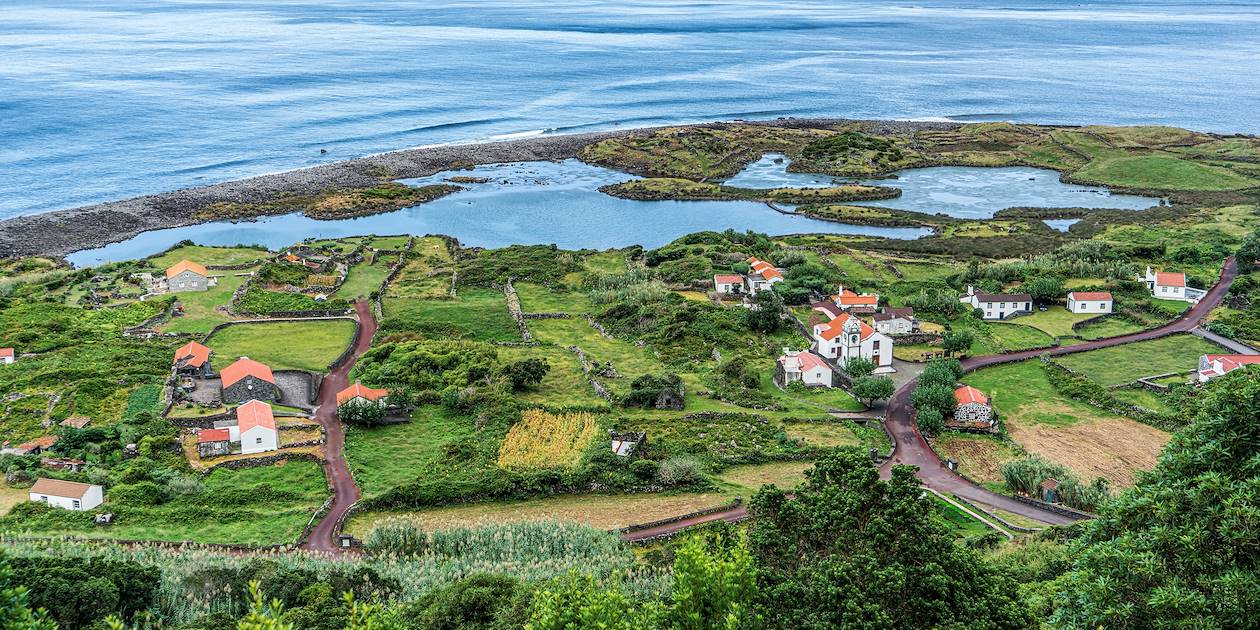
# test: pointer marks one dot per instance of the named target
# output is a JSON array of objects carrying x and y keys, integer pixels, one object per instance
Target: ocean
[{"x": 103, "y": 100}]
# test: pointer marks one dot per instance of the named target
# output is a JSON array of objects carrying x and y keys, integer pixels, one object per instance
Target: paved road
[
  {"x": 1237, "y": 347},
  {"x": 345, "y": 492},
  {"x": 912, "y": 449}
]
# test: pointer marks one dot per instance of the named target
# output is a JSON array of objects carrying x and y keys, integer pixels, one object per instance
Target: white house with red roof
[
  {"x": 256, "y": 427},
  {"x": 728, "y": 283},
  {"x": 7, "y": 355},
  {"x": 803, "y": 366},
  {"x": 848, "y": 299},
  {"x": 1170, "y": 285},
  {"x": 997, "y": 305},
  {"x": 761, "y": 275},
  {"x": 359, "y": 393},
  {"x": 68, "y": 495},
  {"x": 1098, "y": 302},
  {"x": 1214, "y": 365},
  {"x": 846, "y": 337},
  {"x": 972, "y": 408}
]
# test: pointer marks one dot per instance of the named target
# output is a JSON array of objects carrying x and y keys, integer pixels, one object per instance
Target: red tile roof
[
  {"x": 59, "y": 488},
  {"x": 255, "y": 413},
  {"x": 213, "y": 435},
  {"x": 833, "y": 328},
  {"x": 359, "y": 391},
  {"x": 77, "y": 422},
  {"x": 1170, "y": 279},
  {"x": 855, "y": 299},
  {"x": 6, "y": 353},
  {"x": 1229, "y": 362},
  {"x": 1090, "y": 295},
  {"x": 185, "y": 265},
  {"x": 764, "y": 268},
  {"x": 192, "y": 354},
  {"x": 728, "y": 279},
  {"x": 243, "y": 367},
  {"x": 968, "y": 394},
  {"x": 805, "y": 361},
  {"x": 42, "y": 443}
]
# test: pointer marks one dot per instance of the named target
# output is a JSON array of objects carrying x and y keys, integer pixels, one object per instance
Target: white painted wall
[
  {"x": 92, "y": 498},
  {"x": 1099, "y": 307},
  {"x": 259, "y": 440}
]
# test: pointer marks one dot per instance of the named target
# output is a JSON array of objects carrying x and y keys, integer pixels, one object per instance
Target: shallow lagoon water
[
  {"x": 524, "y": 203},
  {"x": 1061, "y": 225},
  {"x": 968, "y": 192}
]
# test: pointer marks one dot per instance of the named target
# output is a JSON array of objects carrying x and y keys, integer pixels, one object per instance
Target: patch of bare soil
[{"x": 1112, "y": 448}]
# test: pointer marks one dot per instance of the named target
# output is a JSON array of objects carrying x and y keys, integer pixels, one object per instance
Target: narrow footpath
[{"x": 336, "y": 470}]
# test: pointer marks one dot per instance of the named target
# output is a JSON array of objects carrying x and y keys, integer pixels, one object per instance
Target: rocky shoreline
[{"x": 62, "y": 232}]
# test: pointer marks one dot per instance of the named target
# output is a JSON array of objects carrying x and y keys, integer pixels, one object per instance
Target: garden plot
[
  {"x": 1055, "y": 321},
  {"x": 980, "y": 458},
  {"x": 545, "y": 440}
]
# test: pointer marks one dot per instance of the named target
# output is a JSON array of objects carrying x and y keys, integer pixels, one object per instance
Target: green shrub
[
  {"x": 398, "y": 538},
  {"x": 680, "y": 471}
]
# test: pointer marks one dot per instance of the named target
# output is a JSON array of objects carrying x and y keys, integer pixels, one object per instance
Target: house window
[
  {"x": 43, "y": 498},
  {"x": 875, "y": 347},
  {"x": 76, "y": 504},
  {"x": 258, "y": 440}
]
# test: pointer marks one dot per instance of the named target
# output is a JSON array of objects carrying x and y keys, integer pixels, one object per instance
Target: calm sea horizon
[{"x": 104, "y": 100}]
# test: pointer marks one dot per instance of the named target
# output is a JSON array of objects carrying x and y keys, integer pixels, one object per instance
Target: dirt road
[{"x": 337, "y": 471}]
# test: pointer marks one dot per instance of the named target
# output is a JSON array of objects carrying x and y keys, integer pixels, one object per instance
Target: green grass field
[
  {"x": 629, "y": 359},
  {"x": 1109, "y": 327},
  {"x": 199, "y": 306},
  {"x": 962, "y": 524},
  {"x": 209, "y": 255},
  {"x": 1009, "y": 336},
  {"x": 1143, "y": 397},
  {"x": 477, "y": 314},
  {"x": 536, "y": 298},
  {"x": 564, "y": 384},
  {"x": 1162, "y": 172},
  {"x": 1127, "y": 363},
  {"x": 308, "y": 345},
  {"x": 362, "y": 279},
  {"x": 384, "y": 457},
  {"x": 1055, "y": 321},
  {"x": 1022, "y": 391},
  {"x": 261, "y": 506}
]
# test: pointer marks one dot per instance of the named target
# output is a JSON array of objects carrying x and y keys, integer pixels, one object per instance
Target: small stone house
[
  {"x": 67, "y": 494},
  {"x": 624, "y": 444},
  {"x": 193, "y": 360},
  {"x": 247, "y": 379},
  {"x": 214, "y": 442},
  {"x": 802, "y": 366},
  {"x": 972, "y": 408},
  {"x": 1049, "y": 488},
  {"x": 896, "y": 321},
  {"x": 34, "y": 447},
  {"x": 358, "y": 392},
  {"x": 185, "y": 276},
  {"x": 1096, "y": 302}
]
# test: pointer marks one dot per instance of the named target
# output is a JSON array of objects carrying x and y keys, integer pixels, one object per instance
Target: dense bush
[
  {"x": 930, "y": 421},
  {"x": 79, "y": 592},
  {"x": 648, "y": 389},
  {"x": 540, "y": 264},
  {"x": 261, "y": 301},
  {"x": 283, "y": 274},
  {"x": 1026, "y": 475}
]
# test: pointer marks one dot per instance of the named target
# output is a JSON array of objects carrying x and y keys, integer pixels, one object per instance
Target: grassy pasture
[
  {"x": 309, "y": 345},
  {"x": 388, "y": 456},
  {"x": 1129, "y": 362},
  {"x": 1055, "y": 321},
  {"x": 203, "y": 255},
  {"x": 476, "y": 314},
  {"x": 199, "y": 306},
  {"x": 363, "y": 278}
]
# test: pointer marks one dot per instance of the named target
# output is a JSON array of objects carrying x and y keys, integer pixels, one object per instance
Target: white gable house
[
  {"x": 761, "y": 276},
  {"x": 1169, "y": 285},
  {"x": 846, "y": 337},
  {"x": 803, "y": 366},
  {"x": 1097, "y": 302},
  {"x": 996, "y": 305},
  {"x": 67, "y": 494}
]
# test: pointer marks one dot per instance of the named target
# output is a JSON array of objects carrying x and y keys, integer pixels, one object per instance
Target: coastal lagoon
[
  {"x": 966, "y": 192},
  {"x": 560, "y": 203},
  {"x": 522, "y": 203}
]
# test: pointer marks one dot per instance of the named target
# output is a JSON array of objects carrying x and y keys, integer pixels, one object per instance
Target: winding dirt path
[{"x": 337, "y": 471}]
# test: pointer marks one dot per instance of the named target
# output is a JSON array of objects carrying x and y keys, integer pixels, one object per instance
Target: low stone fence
[
  {"x": 1061, "y": 510},
  {"x": 238, "y": 266},
  {"x": 917, "y": 338},
  {"x": 201, "y": 422},
  {"x": 242, "y": 322},
  {"x": 265, "y": 460},
  {"x": 1086, "y": 322},
  {"x": 514, "y": 309},
  {"x": 717, "y": 509},
  {"x": 546, "y": 316},
  {"x": 1005, "y": 523},
  {"x": 349, "y": 351},
  {"x": 598, "y": 326},
  {"x": 147, "y": 325},
  {"x": 587, "y": 368}
]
